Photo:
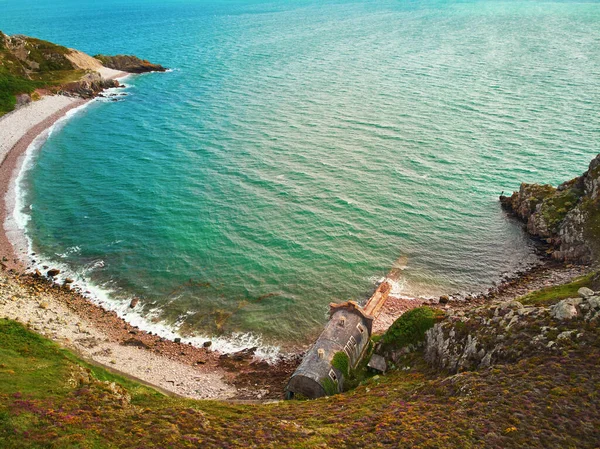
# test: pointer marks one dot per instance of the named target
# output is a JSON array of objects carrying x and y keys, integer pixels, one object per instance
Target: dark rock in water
[
  {"x": 134, "y": 302},
  {"x": 53, "y": 272},
  {"x": 444, "y": 299},
  {"x": 207, "y": 344},
  {"x": 69, "y": 281},
  {"x": 130, "y": 64},
  {"x": 177, "y": 340}
]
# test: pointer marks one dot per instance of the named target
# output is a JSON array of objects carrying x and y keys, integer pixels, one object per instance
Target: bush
[
  {"x": 341, "y": 362},
  {"x": 410, "y": 328}
]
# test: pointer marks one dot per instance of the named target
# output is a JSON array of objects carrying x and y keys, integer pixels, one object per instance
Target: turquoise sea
[{"x": 299, "y": 148}]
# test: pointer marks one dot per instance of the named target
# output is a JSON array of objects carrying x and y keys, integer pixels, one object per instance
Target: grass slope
[
  {"x": 45, "y": 66},
  {"x": 50, "y": 399}
]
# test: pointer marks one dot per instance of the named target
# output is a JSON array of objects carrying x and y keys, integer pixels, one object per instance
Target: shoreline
[
  {"x": 97, "y": 334},
  {"x": 103, "y": 337},
  {"x": 9, "y": 171}
]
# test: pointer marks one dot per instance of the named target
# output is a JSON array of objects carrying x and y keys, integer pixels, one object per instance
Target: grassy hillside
[
  {"x": 49, "y": 398},
  {"x": 27, "y": 64}
]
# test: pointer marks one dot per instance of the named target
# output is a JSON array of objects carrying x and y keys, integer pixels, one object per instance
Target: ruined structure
[{"x": 348, "y": 331}]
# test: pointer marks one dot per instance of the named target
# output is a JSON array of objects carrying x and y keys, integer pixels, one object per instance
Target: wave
[{"x": 17, "y": 229}]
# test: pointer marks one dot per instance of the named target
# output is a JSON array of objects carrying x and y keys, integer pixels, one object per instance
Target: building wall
[{"x": 348, "y": 330}]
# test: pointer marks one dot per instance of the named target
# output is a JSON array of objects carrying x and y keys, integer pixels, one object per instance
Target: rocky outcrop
[
  {"x": 25, "y": 56},
  {"x": 509, "y": 332},
  {"x": 130, "y": 64},
  {"x": 90, "y": 85},
  {"x": 32, "y": 66},
  {"x": 567, "y": 217}
]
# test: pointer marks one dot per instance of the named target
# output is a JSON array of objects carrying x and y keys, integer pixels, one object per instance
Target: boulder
[
  {"x": 53, "y": 272},
  {"x": 594, "y": 302},
  {"x": 585, "y": 292},
  {"x": 377, "y": 363},
  {"x": 565, "y": 309}
]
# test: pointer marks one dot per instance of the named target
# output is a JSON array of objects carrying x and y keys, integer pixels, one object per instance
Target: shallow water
[{"x": 299, "y": 148}]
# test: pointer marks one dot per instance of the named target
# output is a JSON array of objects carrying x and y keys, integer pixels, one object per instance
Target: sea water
[{"x": 297, "y": 149}]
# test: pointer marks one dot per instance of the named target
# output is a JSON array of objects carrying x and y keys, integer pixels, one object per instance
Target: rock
[
  {"x": 177, "y": 340},
  {"x": 486, "y": 361},
  {"x": 377, "y": 363},
  {"x": 594, "y": 302},
  {"x": 22, "y": 100},
  {"x": 565, "y": 309},
  {"x": 131, "y": 64},
  {"x": 53, "y": 272},
  {"x": 585, "y": 292},
  {"x": 564, "y": 216},
  {"x": 135, "y": 342},
  {"x": 444, "y": 299},
  {"x": 44, "y": 305},
  {"x": 565, "y": 335},
  {"x": 515, "y": 305},
  {"x": 207, "y": 344},
  {"x": 134, "y": 302}
]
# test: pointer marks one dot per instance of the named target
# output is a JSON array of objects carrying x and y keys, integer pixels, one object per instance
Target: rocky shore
[
  {"x": 102, "y": 337},
  {"x": 566, "y": 217}
]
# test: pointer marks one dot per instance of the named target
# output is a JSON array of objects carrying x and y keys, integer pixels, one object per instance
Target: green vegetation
[
  {"x": 538, "y": 193},
  {"x": 10, "y": 86},
  {"x": 555, "y": 208},
  {"x": 27, "y": 64},
  {"x": 551, "y": 295},
  {"x": 50, "y": 399},
  {"x": 341, "y": 362},
  {"x": 410, "y": 328},
  {"x": 330, "y": 386}
]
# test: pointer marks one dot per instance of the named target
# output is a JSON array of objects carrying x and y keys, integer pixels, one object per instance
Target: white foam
[{"x": 16, "y": 226}]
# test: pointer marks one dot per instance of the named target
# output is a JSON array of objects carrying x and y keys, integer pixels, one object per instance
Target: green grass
[
  {"x": 46, "y": 67},
  {"x": 551, "y": 295},
  {"x": 410, "y": 328},
  {"x": 10, "y": 86},
  {"x": 556, "y": 207}
]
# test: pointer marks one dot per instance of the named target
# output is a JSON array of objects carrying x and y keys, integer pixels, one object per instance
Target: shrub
[
  {"x": 330, "y": 386},
  {"x": 341, "y": 362},
  {"x": 410, "y": 328}
]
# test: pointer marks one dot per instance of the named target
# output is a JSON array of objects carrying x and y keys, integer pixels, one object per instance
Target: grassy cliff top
[{"x": 27, "y": 64}]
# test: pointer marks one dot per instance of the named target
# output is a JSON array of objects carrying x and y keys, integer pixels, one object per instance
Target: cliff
[
  {"x": 567, "y": 217},
  {"x": 31, "y": 67},
  {"x": 127, "y": 63}
]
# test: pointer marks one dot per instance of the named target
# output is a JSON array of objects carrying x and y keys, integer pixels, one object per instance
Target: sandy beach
[
  {"x": 100, "y": 336},
  {"x": 18, "y": 130}
]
